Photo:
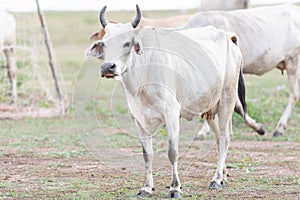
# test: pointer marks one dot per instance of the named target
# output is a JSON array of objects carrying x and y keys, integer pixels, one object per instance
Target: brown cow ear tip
[
  {"x": 94, "y": 36},
  {"x": 234, "y": 39}
]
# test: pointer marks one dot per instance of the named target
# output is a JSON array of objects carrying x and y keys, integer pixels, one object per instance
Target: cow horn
[
  {"x": 138, "y": 17},
  {"x": 102, "y": 17}
]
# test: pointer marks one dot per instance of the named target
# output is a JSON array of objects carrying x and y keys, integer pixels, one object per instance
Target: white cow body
[
  {"x": 171, "y": 74},
  {"x": 7, "y": 45},
  {"x": 8, "y": 27},
  {"x": 269, "y": 38},
  {"x": 223, "y": 4},
  {"x": 195, "y": 90}
]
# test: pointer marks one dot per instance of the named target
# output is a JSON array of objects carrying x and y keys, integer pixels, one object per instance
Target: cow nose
[
  {"x": 112, "y": 67},
  {"x": 108, "y": 69}
]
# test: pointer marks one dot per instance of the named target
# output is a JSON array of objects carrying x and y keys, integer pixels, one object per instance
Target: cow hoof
[
  {"x": 216, "y": 186},
  {"x": 261, "y": 131},
  {"x": 277, "y": 134},
  {"x": 13, "y": 103},
  {"x": 199, "y": 137},
  {"x": 174, "y": 194},
  {"x": 143, "y": 193}
]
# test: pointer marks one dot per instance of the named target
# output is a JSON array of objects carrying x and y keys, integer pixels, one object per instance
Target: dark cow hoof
[
  {"x": 200, "y": 137},
  {"x": 174, "y": 194},
  {"x": 261, "y": 131},
  {"x": 13, "y": 103},
  {"x": 277, "y": 134},
  {"x": 143, "y": 193},
  {"x": 215, "y": 186}
]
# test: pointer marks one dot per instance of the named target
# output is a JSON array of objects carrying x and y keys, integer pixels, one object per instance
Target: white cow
[
  {"x": 7, "y": 45},
  {"x": 223, "y": 4},
  {"x": 171, "y": 74},
  {"x": 269, "y": 38}
]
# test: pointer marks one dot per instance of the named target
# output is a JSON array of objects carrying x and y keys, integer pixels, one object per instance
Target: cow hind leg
[
  {"x": 293, "y": 72},
  {"x": 203, "y": 132},
  {"x": 222, "y": 128},
  {"x": 258, "y": 127},
  {"x": 214, "y": 124},
  {"x": 210, "y": 115},
  {"x": 220, "y": 178},
  {"x": 11, "y": 72}
]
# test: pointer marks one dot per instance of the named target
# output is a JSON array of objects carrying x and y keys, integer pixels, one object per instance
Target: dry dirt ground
[{"x": 257, "y": 170}]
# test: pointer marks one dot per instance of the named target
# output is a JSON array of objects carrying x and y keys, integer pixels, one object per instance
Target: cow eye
[{"x": 127, "y": 44}]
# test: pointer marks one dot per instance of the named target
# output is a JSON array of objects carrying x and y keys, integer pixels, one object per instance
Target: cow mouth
[{"x": 109, "y": 75}]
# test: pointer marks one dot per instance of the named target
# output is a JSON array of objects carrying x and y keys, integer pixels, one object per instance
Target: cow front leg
[
  {"x": 293, "y": 72},
  {"x": 146, "y": 141},
  {"x": 173, "y": 136},
  {"x": 11, "y": 72}
]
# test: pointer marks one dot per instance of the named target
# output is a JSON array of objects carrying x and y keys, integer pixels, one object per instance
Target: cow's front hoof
[
  {"x": 261, "y": 131},
  {"x": 13, "y": 103},
  {"x": 174, "y": 194},
  {"x": 144, "y": 193},
  {"x": 277, "y": 134},
  {"x": 216, "y": 186}
]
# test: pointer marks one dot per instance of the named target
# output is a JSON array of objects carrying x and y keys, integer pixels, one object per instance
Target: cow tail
[
  {"x": 241, "y": 84},
  {"x": 242, "y": 91}
]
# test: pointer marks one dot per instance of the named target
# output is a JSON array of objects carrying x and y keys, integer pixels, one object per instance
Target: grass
[
  {"x": 45, "y": 159},
  {"x": 55, "y": 134}
]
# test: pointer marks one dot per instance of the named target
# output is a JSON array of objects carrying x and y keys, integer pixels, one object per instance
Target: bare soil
[
  {"x": 257, "y": 170},
  {"x": 21, "y": 112}
]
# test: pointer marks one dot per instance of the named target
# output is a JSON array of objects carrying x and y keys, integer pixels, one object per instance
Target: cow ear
[
  {"x": 95, "y": 36},
  {"x": 95, "y": 50},
  {"x": 234, "y": 39},
  {"x": 138, "y": 46}
]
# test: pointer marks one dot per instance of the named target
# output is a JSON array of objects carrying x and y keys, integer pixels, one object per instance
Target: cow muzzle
[{"x": 108, "y": 70}]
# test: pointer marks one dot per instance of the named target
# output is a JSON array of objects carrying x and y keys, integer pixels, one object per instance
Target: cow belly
[
  {"x": 193, "y": 106},
  {"x": 259, "y": 67}
]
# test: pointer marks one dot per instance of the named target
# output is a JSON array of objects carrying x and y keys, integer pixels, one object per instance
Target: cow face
[{"x": 115, "y": 46}]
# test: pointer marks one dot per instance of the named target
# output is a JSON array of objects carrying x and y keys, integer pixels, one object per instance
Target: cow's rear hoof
[
  {"x": 174, "y": 194},
  {"x": 261, "y": 131},
  {"x": 199, "y": 137},
  {"x": 277, "y": 134},
  {"x": 215, "y": 186},
  {"x": 143, "y": 193}
]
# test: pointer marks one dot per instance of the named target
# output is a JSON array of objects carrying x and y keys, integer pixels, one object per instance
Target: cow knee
[
  {"x": 10, "y": 65},
  {"x": 11, "y": 73},
  {"x": 172, "y": 152}
]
